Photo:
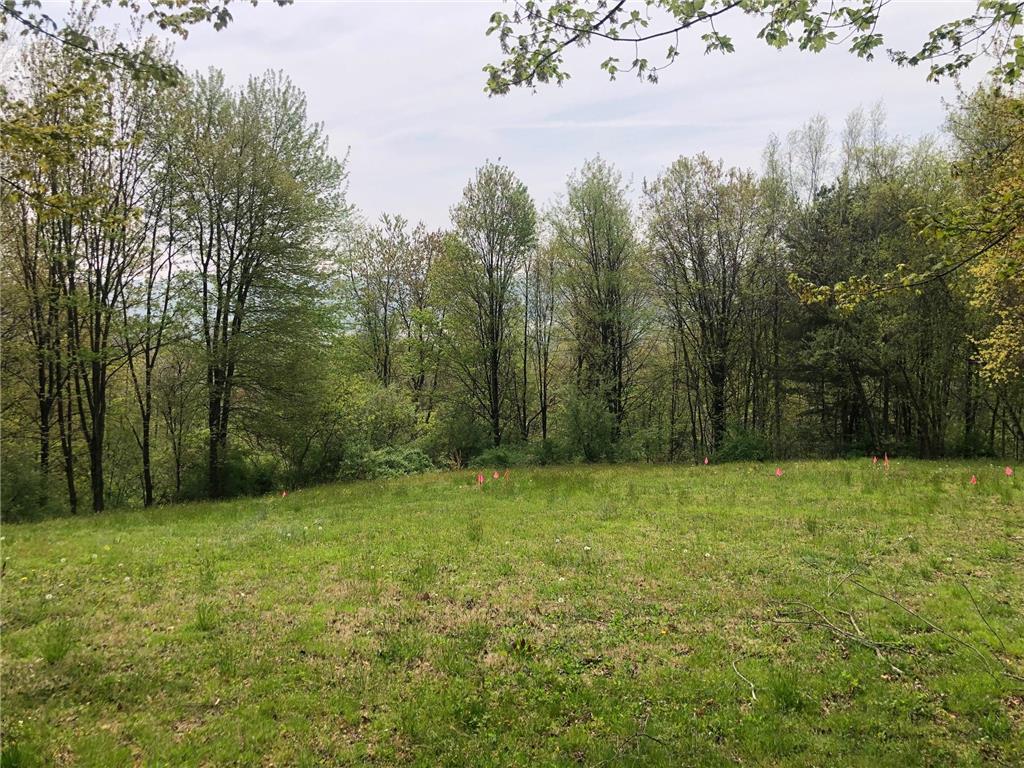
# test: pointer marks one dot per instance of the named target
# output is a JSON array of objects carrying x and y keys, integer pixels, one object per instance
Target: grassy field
[{"x": 838, "y": 615}]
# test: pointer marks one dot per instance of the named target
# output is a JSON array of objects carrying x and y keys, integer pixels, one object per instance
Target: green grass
[{"x": 627, "y": 616}]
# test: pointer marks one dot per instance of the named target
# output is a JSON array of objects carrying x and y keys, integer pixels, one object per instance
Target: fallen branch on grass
[
  {"x": 753, "y": 694},
  {"x": 641, "y": 733},
  {"x": 959, "y": 641},
  {"x": 822, "y": 621},
  {"x": 814, "y": 617}
]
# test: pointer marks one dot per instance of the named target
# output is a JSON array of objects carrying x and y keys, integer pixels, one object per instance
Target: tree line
[{"x": 191, "y": 307}]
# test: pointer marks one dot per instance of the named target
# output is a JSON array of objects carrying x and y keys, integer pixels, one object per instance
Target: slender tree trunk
[
  {"x": 717, "y": 380},
  {"x": 776, "y": 377},
  {"x": 494, "y": 393},
  {"x": 673, "y": 412},
  {"x": 215, "y": 467},
  {"x": 66, "y": 422},
  {"x": 45, "y": 413},
  {"x": 524, "y": 417},
  {"x": 177, "y": 471},
  {"x": 147, "y": 469},
  {"x": 970, "y": 405}
]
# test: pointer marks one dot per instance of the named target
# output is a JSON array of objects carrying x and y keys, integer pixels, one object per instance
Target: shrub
[
  {"x": 245, "y": 474},
  {"x": 21, "y": 492},
  {"x": 590, "y": 427},
  {"x": 550, "y": 451},
  {"x": 384, "y": 416},
  {"x": 742, "y": 445},
  {"x": 251, "y": 475},
  {"x": 457, "y": 432},
  {"x": 24, "y": 494},
  {"x": 505, "y": 456},
  {"x": 390, "y": 462}
]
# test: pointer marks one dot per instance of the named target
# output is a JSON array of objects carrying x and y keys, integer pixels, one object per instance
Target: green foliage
[
  {"x": 603, "y": 285},
  {"x": 250, "y": 474},
  {"x": 535, "y": 37},
  {"x": 744, "y": 445},
  {"x": 23, "y": 490},
  {"x": 494, "y": 230},
  {"x": 383, "y": 417},
  {"x": 389, "y": 462},
  {"x": 176, "y": 16},
  {"x": 257, "y": 339},
  {"x": 245, "y": 473},
  {"x": 589, "y": 425},
  {"x": 504, "y": 457},
  {"x": 551, "y": 451},
  {"x": 455, "y": 435}
]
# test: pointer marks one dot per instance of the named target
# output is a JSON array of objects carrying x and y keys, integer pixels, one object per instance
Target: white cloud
[{"x": 401, "y": 84}]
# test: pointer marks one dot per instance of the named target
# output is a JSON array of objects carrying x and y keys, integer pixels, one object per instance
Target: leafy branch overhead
[
  {"x": 535, "y": 37},
  {"x": 174, "y": 16}
]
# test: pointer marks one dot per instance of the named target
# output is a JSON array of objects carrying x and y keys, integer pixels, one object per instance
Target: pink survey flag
[
  {"x": 974, "y": 479},
  {"x": 1008, "y": 471},
  {"x": 778, "y": 471},
  {"x": 495, "y": 475},
  {"x": 480, "y": 479},
  {"x": 706, "y": 462}
]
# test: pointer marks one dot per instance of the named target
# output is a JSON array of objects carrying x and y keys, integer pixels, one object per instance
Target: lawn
[{"x": 840, "y": 614}]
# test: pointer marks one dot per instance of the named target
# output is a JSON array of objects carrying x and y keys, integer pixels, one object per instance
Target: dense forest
[{"x": 192, "y": 308}]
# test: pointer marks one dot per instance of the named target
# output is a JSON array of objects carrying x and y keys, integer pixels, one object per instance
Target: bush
[
  {"x": 390, "y": 462},
  {"x": 505, "y": 456},
  {"x": 457, "y": 433},
  {"x": 742, "y": 445},
  {"x": 590, "y": 427},
  {"x": 384, "y": 416},
  {"x": 245, "y": 474},
  {"x": 22, "y": 493},
  {"x": 550, "y": 451}
]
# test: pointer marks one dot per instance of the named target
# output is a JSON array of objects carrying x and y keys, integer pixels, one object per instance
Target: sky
[{"x": 399, "y": 88}]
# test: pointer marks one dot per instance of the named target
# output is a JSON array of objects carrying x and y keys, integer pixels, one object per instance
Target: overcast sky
[{"x": 399, "y": 85}]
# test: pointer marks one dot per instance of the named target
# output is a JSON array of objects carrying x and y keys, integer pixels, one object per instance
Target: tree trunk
[
  {"x": 717, "y": 380},
  {"x": 45, "y": 408},
  {"x": 96, "y": 464},
  {"x": 495, "y": 394},
  {"x": 65, "y": 423},
  {"x": 96, "y": 433},
  {"x": 215, "y": 467},
  {"x": 147, "y": 469}
]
